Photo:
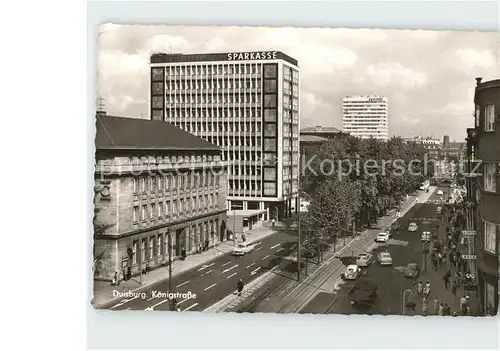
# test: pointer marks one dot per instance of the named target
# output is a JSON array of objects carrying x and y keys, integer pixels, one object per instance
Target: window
[
  {"x": 489, "y": 236},
  {"x": 489, "y": 118},
  {"x": 174, "y": 208},
  {"x": 157, "y": 88},
  {"x": 160, "y": 183},
  {"x": 143, "y": 185},
  {"x": 158, "y": 245},
  {"x": 167, "y": 209},
  {"x": 136, "y": 214},
  {"x": 160, "y": 209},
  {"x": 157, "y": 101},
  {"x": 151, "y": 246},
  {"x": 134, "y": 252},
  {"x": 151, "y": 211},
  {"x": 143, "y": 213},
  {"x": 270, "y": 115},
  {"x": 270, "y": 86},
  {"x": 270, "y": 130},
  {"x": 134, "y": 185},
  {"x": 152, "y": 183},
  {"x": 167, "y": 183},
  {"x": 477, "y": 115},
  {"x": 143, "y": 249},
  {"x": 270, "y": 100},
  {"x": 269, "y": 189},
  {"x": 490, "y": 177},
  {"x": 157, "y": 74},
  {"x": 270, "y": 71}
]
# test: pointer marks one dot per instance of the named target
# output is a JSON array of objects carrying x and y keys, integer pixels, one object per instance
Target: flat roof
[
  {"x": 232, "y": 57},
  {"x": 244, "y": 213}
]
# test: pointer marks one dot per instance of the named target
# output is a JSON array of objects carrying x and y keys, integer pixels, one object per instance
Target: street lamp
[{"x": 404, "y": 299}]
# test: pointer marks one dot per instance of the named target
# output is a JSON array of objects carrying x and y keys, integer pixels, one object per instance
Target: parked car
[
  {"x": 412, "y": 270},
  {"x": 439, "y": 192},
  {"x": 384, "y": 258},
  {"x": 425, "y": 237},
  {"x": 352, "y": 272},
  {"x": 382, "y": 237},
  {"x": 413, "y": 227},
  {"x": 439, "y": 210},
  {"x": 364, "y": 259},
  {"x": 243, "y": 248},
  {"x": 363, "y": 294}
]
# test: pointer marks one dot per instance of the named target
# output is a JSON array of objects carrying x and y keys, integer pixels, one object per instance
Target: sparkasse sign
[{"x": 264, "y": 55}]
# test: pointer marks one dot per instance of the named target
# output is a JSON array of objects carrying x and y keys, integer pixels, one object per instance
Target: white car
[
  {"x": 439, "y": 210},
  {"x": 364, "y": 259},
  {"x": 352, "y": 272},
  {"x": 385, "y": 258},
  {"x": 243, "y": 248},
  {"x": 439, "y": 192},
  {"x": 382, "y": 237},
  {"x": 425, "y": 237},
  {"x": 413, "y": 227}
]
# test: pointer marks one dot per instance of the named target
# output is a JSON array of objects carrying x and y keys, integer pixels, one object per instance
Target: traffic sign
[
  {"x": 469, "y": 257},
  {"x": 468, "y": 232}
]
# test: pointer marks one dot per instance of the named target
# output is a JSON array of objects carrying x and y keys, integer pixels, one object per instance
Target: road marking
[
  {"x": 122, "y": 303},
  {"x": 205, "y": 266},
  {"x": 258, "y": 248},
  {"x": 178, "y": 286},
  {"x": 129, "y": 308},
  {"x": 255, "y": 271},
  {"x": 179, "y": 303},
  {"x": 231, "y": 275},
  {"x": 152, "y": 297},
  {"x": 227, "y": 270},
  {"x": 206, "y": 273},
  {"x": 225, "y": 264},
  {"x": 250, "y": 265},
  {"x": 157, "y": 304},
  {"x": 211, "y": 286},
  {"x": 263, "y": 258},
  {"x": 272, "y": 247},
  {"x": 193, "y": 305},
  {"x": 279, "y": 249}
]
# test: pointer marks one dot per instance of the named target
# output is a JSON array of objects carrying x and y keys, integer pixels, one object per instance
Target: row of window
[
  {"x": 220, "y": 127},
  {"x": 203, "y": 85},
  {"x": 216, "y": 113},
  {"x": 173, "y": 209},
  {"x": 173, "y": 159},
  {"x": 211, "y": 69},
  {"x": 157, "y": 100},
  {"x": 184, "y": 180},
  {"x": 489, "y": 117}
]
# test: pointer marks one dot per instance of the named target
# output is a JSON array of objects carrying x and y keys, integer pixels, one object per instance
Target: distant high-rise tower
[
  {"x": 366, "y": 116},
  {"x": 446, "y": 141}
]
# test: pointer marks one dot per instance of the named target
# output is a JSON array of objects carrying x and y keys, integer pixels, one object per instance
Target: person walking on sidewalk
[
  {"x": 454, "y": 288},
  {"x": 435, "y": 306},
  {"x": 425, "y": 306},
  {"x": 446, "y": 310},
  {"x": 240, "y": 287},
  {"x": 420, "y": 288},
  {"x": 446, "y": 279}
]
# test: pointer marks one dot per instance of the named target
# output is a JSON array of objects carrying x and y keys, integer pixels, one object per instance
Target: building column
[
  {"x": 228, "y": 205},
  {"x": 245, "y": 205},
  {"x": 297, "y": 204}
]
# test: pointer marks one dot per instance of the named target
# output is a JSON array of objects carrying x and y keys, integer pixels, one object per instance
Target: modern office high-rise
[
  {"x": 247, "y": 103},
  {"x": 366, "y": 116}
]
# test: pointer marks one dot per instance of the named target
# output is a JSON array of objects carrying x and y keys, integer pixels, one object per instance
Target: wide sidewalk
[{"x": 103, "y": 290}]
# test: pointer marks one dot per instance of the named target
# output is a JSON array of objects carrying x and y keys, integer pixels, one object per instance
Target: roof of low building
[
  {"x": 311, "y": 139},
  {"x": 125, "y": 133},
  {"x": 320, "y": 129}
]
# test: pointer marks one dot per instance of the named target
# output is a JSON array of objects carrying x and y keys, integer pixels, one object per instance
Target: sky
[{"x": 428, "y": 76}]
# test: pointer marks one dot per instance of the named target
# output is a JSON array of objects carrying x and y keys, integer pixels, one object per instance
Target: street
[
  {"x": 404, "y": 248},
  {"x": 212, "y": 281}
]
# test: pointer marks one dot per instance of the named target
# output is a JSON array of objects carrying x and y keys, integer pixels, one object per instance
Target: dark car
[
  {"x": 363, "y": 294},
  {"x": 395, "y": 228},
  {"x": 412, "y": 270}
]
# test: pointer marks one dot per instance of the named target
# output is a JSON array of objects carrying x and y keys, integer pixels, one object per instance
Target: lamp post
[{"x": 404, "y": 300}]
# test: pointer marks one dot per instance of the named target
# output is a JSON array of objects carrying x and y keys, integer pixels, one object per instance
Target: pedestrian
[
  {"x": 434, "y": 262},
  {"x": 454, "y": 288},
  {"x": 446, "y": 279},
  {"x": 435, "y": 306},
  {"x": 446, "y": 309},
  {"x": 427, "y": 289},
  {"x": 424, "y": 307},
  {"x": 115, "y": 281},
  {"x": 243, "y": 237},
  {"x": 441, "y": 309},
  {"x": 439, "y": 258},
  {"x": 240, "y": 287},
  {"x": 273, "y": 221},
  {"x": 463, "y": 305}
]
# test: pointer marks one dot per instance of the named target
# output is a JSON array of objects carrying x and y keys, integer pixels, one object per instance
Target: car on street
[
  {"x": 439, "y": 192},
  {"x": 439, "y": 209},
  {"x": 352, "y": 272},
  {"x": 364, "y": 259},
  {"x": 243, "y": 248},
  {"x": 382, "y": 237},
  {"x": 384, "y": 258},
  {"x": 412, "y": 270},
  {"x": 413, "y": 227},
  {"x": 363, "y": 294},
  {"x": 425, "y": 237}
]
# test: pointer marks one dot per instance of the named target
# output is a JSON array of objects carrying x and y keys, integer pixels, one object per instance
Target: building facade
[
  {"x": 248, "y": 104},
  {"x": 431, "y": 145},
  {"x": 483, "y": 151},
  {"x": 366, "y": 116},
  {"x": 156, "y": 187}
]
